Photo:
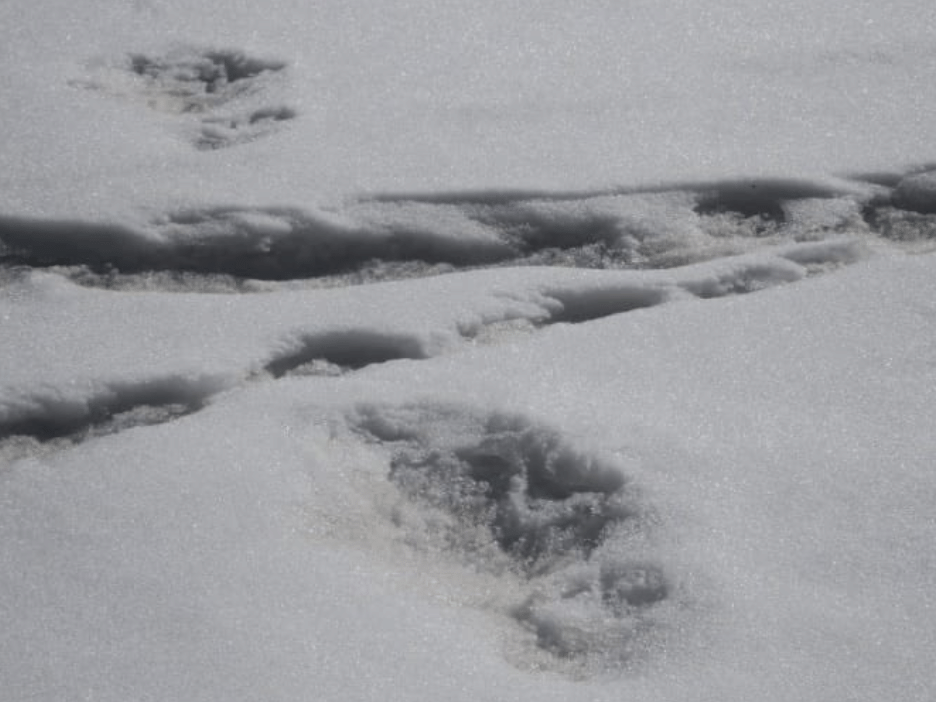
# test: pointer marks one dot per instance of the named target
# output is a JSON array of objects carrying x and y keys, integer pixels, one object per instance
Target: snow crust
[{"x": 491, "y": 350}]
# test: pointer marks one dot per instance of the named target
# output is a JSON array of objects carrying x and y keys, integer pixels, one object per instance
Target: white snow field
[{"x": 467, "y": 351}]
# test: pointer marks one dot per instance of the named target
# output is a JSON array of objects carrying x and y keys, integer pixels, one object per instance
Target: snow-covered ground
[{"x": 491, "y": 350}]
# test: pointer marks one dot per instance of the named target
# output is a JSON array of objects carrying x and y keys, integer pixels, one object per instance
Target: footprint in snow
[
  {"x": 221, "y": 92},
  {"x": 506, "y": 495}
]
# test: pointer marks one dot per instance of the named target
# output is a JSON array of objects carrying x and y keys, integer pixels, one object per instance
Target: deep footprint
[
  {"x": 118, "y": 407},
  {"x": 507, "y": 495},
  {"x": 336, "y": 353},
  {"x": 224, "y": 90},
  {"x": 580, "y": 306},
  {"x": 193, "y": 80}
]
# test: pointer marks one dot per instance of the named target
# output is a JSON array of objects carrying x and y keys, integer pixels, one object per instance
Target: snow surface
[{"x": 504, "y": 351}]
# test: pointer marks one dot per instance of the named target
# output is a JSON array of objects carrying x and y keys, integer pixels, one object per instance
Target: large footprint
[
  {"x": 504, "y": 494},
  {"x": 222, "y": 92}
]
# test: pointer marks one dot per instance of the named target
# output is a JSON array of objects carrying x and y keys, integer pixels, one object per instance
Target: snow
[
  {"x": 467, "y": 351},
  {"x": 399, "y": 97}
]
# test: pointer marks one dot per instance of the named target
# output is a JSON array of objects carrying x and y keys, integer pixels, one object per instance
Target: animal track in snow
[
  {"x": 584, "y": 305},
  {"x": 52, "y": 414},
  {"x": 334, "y": 353},
  {"x": 220, "y": 132},
  {"x": 510, "y": 496},
  {"x": 371, "y": 242},
  {"x": 218, "y": 89},
  {"x": 740, "y": 275},
  {"x": 199, "y": 79}
]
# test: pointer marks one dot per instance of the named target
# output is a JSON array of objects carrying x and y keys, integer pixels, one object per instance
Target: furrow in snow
[{"x": 369, "y": 240}]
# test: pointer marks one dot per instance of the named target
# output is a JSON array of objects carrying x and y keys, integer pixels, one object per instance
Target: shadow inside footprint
[
  {"x": 192, "y": 72},
  {"x": 334, "y": 353},
  {"x": 116, "y": 407},
  {"x": 223, "y": 132},
  {"x": 510, "y": 495}
]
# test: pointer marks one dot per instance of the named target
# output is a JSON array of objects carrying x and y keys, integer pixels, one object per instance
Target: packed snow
[{"x": 491, "y": 350}]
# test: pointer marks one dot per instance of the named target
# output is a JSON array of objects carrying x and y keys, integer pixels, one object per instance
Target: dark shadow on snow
[
  {"x": 547, "y": 508},
  {"x": 586, "y": 305},
  {"x": 47, "y": 416},
  {"x": 336, "y": 352}
]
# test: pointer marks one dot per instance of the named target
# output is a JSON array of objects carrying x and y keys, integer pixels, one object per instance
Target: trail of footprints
[
  {"x": 503, "y": 494},
  {"x": 507, "y": 495},
  {"x": 225, "y": 97},
  {"x": 333, "y": 353},
  {"x": 241, "y": 249},
  {"x": 58, "y": 422},
  {"x": 532, "y": 233},
  {"x": 337, "y": 353}
]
